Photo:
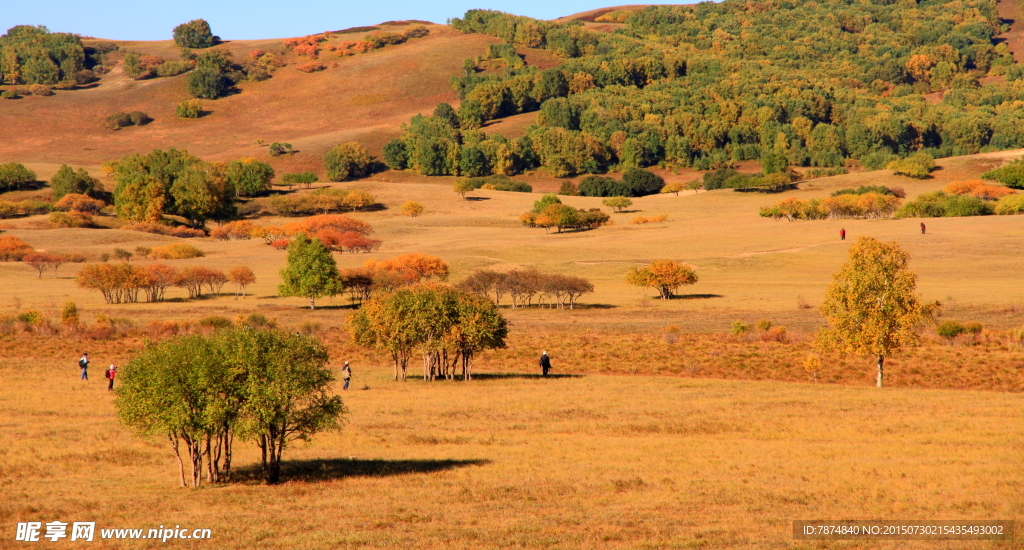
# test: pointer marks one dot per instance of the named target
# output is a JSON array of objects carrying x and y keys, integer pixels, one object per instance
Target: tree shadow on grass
[
  {"x": 514, "y": 375},
  {"x": 696, "y": 296},
  {"x": 341, "y": 468},
  {"x": 478, "y": 198}
]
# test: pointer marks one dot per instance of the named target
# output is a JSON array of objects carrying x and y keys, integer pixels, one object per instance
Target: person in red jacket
[
  {"x": 111, "y": 373},
  {"x": 922, "y": 228},
  {"x": 842, "y": 234}
]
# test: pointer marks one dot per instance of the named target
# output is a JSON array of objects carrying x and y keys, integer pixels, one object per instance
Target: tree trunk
[
  {"x": 177, "y": 454},
  {"x": 312, "y": 303},
  {"x": 881, "y": 363}
]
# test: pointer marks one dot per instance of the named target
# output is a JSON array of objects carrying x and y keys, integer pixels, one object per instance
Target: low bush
[
  {"x": 500, "y": 183},
  {"x": 842, "y": 206},
  {"x": 412, "y": 209},
  {"x": 651, "y": 219},
  {"x": 815, "y": 173},
  {"x": 80, "y": 203},
  {"x": 278, "y": 149},
  {"x": 1009, "y": 205},
  {"x": 877, "y": 189},
  {"x": 978, "y": 188},
  {"x": 40, "y": 90},
  {"x": 70, "y": 219},
  {"x": 13, "y": 248},
  {"x": 172, "y": 68},
  {"x": 176, "y": 252},
  {"x": 918, "y": 166},
  {"x": 117, "y": 121},
  {"x": 190, "y": 108},
  {"x": 311, "y": 67}
]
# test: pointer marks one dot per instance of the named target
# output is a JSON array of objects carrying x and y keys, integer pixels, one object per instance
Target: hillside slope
[{"x": 365, "y": 96}]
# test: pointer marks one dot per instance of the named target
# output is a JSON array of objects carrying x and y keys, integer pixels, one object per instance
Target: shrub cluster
[
  {"x": 117, "y": 121},
  {"x": 178, "y": 251},
  {"x": 338, "y": 233},
  {"x": 28, "y": 207},
  {"x": 499, "y": 183},
  {"x": 942, "y": 205},
  {"x": 1011, "y": 175},
  {"x": 321, "y": 201},
  {"x": 80, "y": 203},
  {"x": 841, "y": 206},
  {"x": 73, "y": 218},
  {"x": 522, "y": 285},
  {"x": 636, "y": 182},
  {"x": 978, "y": 189},
  {"x": 877, "y": 189},
  {"x": 347, "y": 161},
  {"x": 391, "y": 274},
  {"x": 302, "y": 179},
  {"x": 13, "y": 248},
  {"x": 67, "y": 181},
  {"x": 649, "y": 219},
  {"x": 190, "y": 108},
  {"x": 563, "y": 217}
]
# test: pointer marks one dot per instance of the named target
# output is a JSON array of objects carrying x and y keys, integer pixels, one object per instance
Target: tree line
[
  {"x": 123, "y": 282},
  {"x": 706, "y": 84},
  {"x": 522, "y": 285}
]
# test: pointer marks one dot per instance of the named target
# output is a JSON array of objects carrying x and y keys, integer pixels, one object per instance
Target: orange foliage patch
[
  {"x": 978, "y": 188},
  {"x": 13, "y": 248}
]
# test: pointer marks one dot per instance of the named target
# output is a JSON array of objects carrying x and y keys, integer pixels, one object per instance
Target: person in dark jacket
[
  {"x": 545, "y": 363},
  {"x": 346, "y": 375},
  {"x": 83, "y": 364}
]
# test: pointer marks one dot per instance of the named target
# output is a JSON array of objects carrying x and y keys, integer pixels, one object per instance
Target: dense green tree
[
  {"x": 14, "y": 175},
  {"x": 473, "y": 162},
  {"x": 471, "y": 115},
  {"x": 143, "y": 183},
  {"x": 204, "y": 192},
  {"x": 250, "y": 177},
  {"x": 445, "y": 112},
  {"x": 195, "y": 34},
  {"x": 67, "y": 181},
  {"x": 396, "y": 154},
  {"x": 642, "y": 182},
  {"x": 311, "y": 271},
  {"x": 347, "y": 161}
]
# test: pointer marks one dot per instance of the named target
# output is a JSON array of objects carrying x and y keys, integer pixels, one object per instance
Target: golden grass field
[
  {"x": 704, "y": 440},
  {"x": 587, "y": 462}
]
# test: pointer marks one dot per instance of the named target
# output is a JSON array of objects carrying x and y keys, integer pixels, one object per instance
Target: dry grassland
[{"x": 522, "y": 462}]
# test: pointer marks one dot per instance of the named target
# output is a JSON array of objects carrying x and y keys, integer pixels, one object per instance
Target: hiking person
[
  {"x": 842, "y": 234},
  {"x": 110, "y": 374},
  {"x": 83, "y": 364},
  {"x": 545, "y": 363},
  {"x": 346, "y": 375},
  {"x": 922, "y": 228}
]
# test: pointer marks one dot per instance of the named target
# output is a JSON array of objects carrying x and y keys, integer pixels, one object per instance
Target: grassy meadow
[
  {"x": 524, "y": 462},
  {"x": 651, "y": 437}
]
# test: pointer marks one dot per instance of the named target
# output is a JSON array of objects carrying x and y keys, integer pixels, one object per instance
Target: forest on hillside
[{"x": 786, "y": 82}]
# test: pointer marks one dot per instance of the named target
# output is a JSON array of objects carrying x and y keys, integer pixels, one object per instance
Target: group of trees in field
[
  {"x": 843, "y": 206},
  {"x": 123, "y": 282},
  {"x": 636, "y": 182},
  {"x": 664, "y": 275},
  {"x": 34, "y": 55},
  {"x": 14, "y": 176},
  {"x": 71, "y": 182},
  {"x": 202, "y": 392},
  {"x": 492, "y": 183},
  {"x": 312, "y": 273},
  {"x": 175, "y": 182},
  {"x": 549, "y": 212},
  {"x": 448, "y": 325},
  {"x": 522, "y": 285},
  {"x": 701, "y": 85}
]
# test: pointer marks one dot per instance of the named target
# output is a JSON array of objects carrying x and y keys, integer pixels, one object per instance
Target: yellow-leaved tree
[
  {"x": 871, "y": 306},
  {"x": 664, "y": 275}
]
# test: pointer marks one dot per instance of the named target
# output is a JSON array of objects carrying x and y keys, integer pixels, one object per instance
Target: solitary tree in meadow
[
  {"x": 871, "y": 306},
  {"x": 311, "y": 272},
  {"x": 618, "y": 203},
  {"x": 463, "y": 186},
  {"x": 665, "y": 275}
]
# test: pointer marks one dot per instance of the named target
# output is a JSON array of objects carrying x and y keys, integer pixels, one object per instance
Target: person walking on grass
[
  {"x": 922, "y": 228},
  {"x": 110, "y": 374},
  {"x": 83, "y": 364},
  {"x": 842, "y": 234},
  {"x": 545, "y": 363},
  {"x": 346, "y": 375}
]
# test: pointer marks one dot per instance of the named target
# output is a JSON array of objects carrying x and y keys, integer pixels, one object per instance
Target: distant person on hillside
[
  {"x": 545, "y": 363},
  {"x": 842, "y": 234},
  {"x": 110, "y": 374},
  {"x": 83, "y": 364},
  {"x": 346, "y": 375},
  {"x": 922, "y": 228}
]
